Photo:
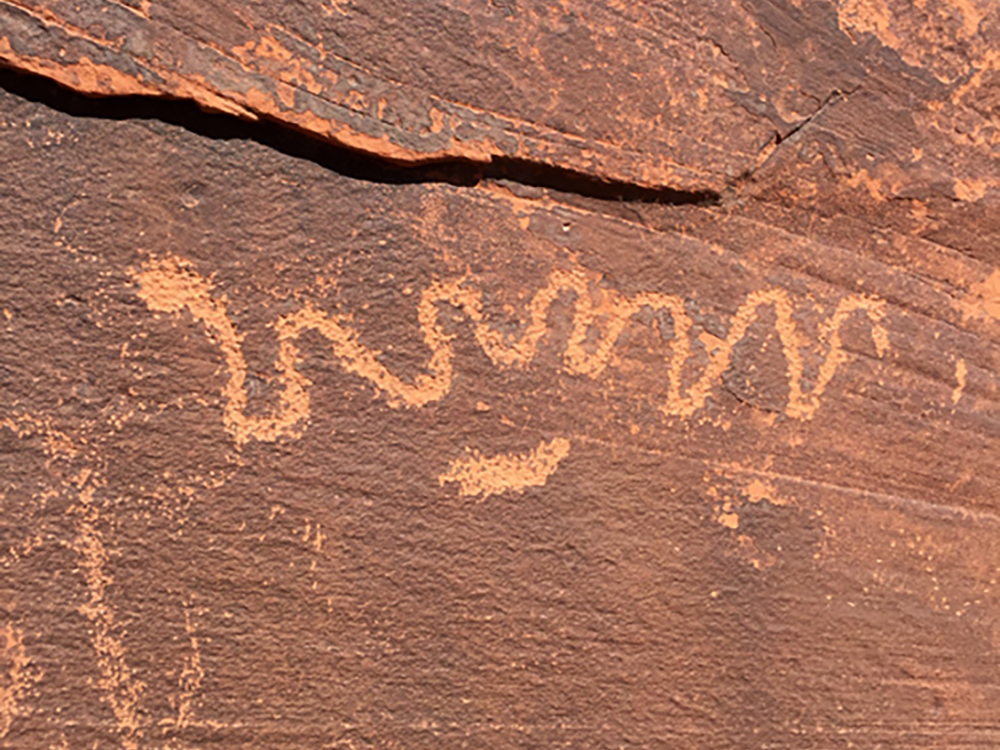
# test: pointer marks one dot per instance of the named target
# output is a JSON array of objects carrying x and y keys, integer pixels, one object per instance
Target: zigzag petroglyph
[{"x": 171, "y": 285}]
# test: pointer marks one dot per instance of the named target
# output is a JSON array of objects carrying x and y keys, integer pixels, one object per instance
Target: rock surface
[{"x": 597, "y": 375}]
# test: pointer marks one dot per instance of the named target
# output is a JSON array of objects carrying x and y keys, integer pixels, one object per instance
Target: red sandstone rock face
[{"x": 300, "y": 449}]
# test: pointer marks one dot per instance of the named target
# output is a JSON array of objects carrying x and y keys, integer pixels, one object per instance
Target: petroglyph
[
  {"x": 960, "y": 373},
  {"x": 119, "y": 689},
  {"x": 14, "y": 681},
  {"x": 490, "y": 475},
  {"x": 191, "y": 675},
  {"x": 171, "y": 285}
]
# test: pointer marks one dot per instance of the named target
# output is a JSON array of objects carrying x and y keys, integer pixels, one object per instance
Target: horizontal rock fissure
[{"x": 359, "y": 165}]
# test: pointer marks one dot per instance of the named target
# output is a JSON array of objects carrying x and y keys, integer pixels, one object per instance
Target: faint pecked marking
[
  {"x": 15, "y": 683},
  {"x": 191, "y": 676},
  {"x": 119, "y": 687},
  {"x": 171, "y": 285},
  {"x": 961, "y": 371}
]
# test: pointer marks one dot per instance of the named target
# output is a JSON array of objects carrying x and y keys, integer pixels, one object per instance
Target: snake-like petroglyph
[{"x": 172, "y": 285}]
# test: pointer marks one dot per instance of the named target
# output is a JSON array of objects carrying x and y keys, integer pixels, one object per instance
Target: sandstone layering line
[{"x": 172, "y": 285}]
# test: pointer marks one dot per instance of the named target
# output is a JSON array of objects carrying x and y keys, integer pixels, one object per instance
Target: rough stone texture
[{"x": 300, "y": 449}]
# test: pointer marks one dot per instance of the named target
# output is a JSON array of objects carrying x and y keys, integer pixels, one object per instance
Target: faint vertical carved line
[
  {"x": 191, "y": 675},
  {"x": 118, "y": 687},
  {"x": 12, "y": 693}
]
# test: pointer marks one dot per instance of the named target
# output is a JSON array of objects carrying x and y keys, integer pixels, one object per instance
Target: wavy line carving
[{"x": 171, "y": 285}]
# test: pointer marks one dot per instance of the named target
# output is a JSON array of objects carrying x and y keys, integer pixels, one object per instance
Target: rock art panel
[{"x": 300, "y": 449}]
